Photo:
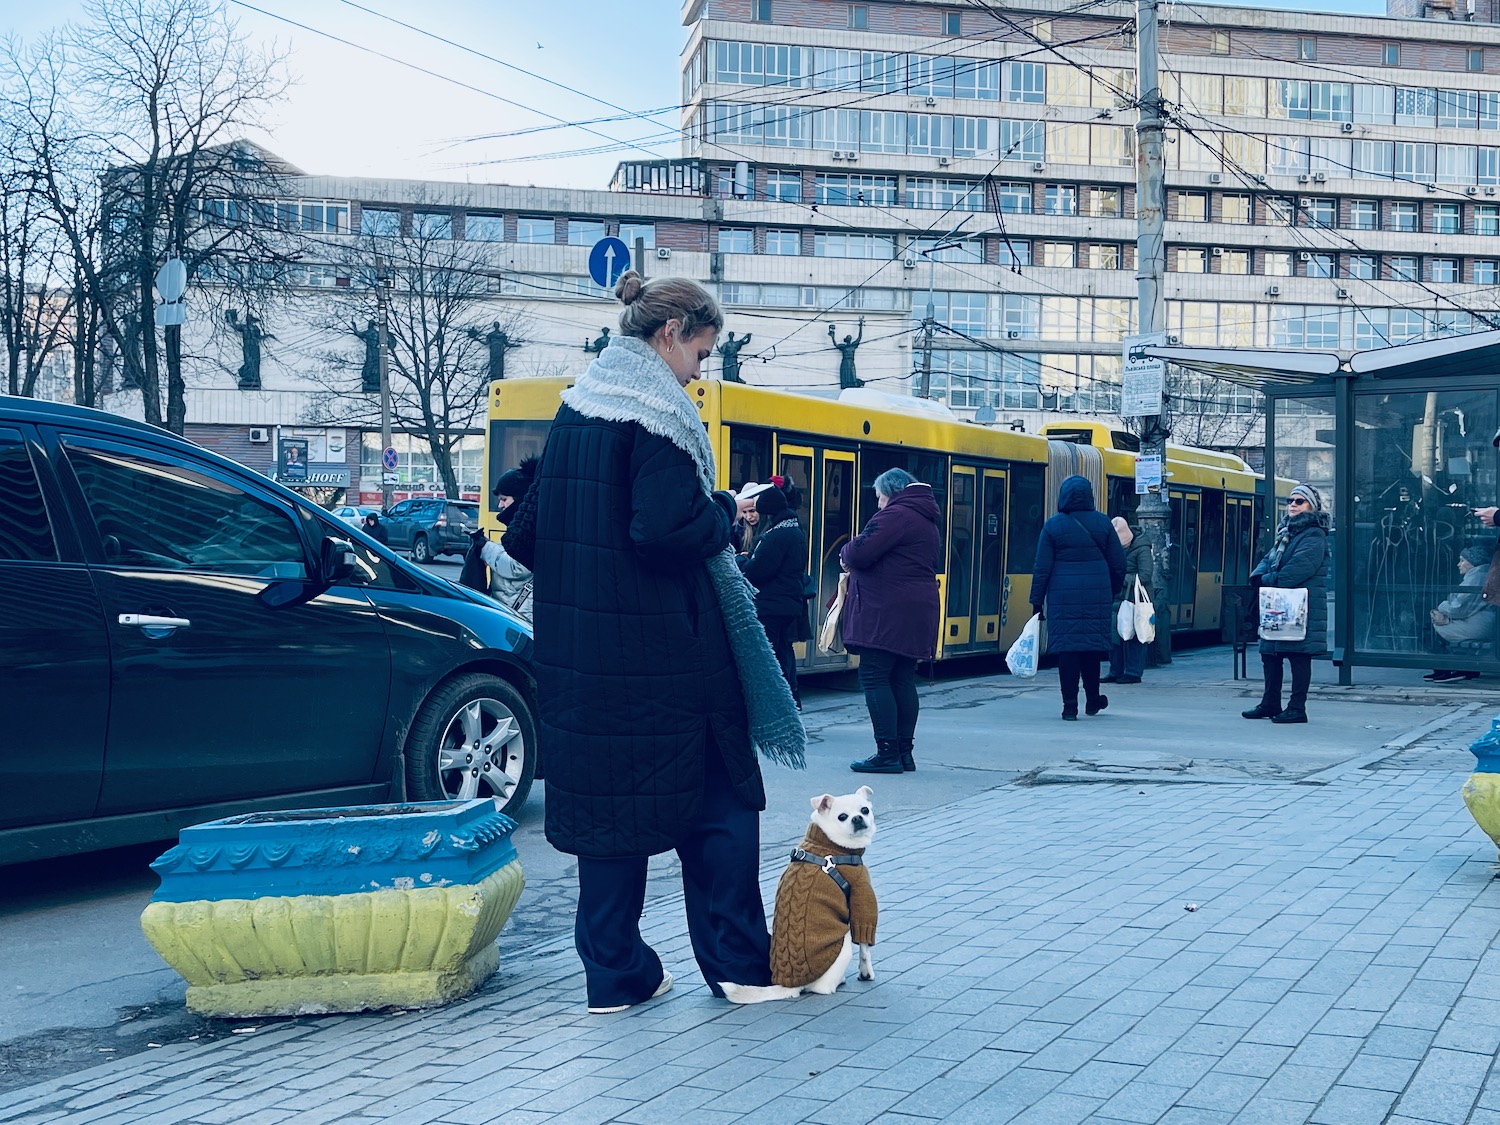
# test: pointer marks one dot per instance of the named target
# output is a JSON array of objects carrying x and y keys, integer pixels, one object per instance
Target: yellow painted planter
[
  {"x": 1482, "y": 796},
  {"x": 336, "y": 910}
]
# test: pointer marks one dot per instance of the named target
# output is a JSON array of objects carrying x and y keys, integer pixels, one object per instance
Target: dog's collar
[{"x": 830, "y": 865}]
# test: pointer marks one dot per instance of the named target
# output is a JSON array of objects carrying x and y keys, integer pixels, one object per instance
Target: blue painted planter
[{"x": 336, "y": 909}]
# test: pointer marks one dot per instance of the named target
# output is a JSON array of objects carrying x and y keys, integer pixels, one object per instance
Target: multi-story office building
[{"x": 1332, "y": 184}]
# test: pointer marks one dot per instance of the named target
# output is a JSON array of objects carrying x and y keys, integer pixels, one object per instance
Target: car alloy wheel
[
  {"x": 420, "y": 551},
  {"x": 474, "y": 737}
]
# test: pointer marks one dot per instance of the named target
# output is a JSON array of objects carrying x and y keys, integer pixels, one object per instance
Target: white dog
[{"x": 825, "y": 905}]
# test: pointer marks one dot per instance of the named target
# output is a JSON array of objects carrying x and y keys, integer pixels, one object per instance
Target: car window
[
  {"x": 457, "y": 514},
  {"x": 158, "y": 515},
  {"x": 401, "y": 509},
  {"x": 371, "y": 569},
  {"x": 25, "y": 533}
]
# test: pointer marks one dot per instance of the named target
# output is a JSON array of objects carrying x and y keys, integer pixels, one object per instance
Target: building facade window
[
  {"x": 1235, "y": 209},
  {"x": 1190, "y": 259},
  {"x": 1060, "y": 254},
  {"x": 1319, "y": 265},
  {"x": 1192, "y": 206},
  {"x": 1307, "y": 49},
  {"x": 736, "y": 241},
  {"x": 537, "y": 232},
  {"x": 1487, "y": 219},
  {"x": 1443, "y": 270},
  {"x": 953, "y": 23},
  {"x": 1277, "y": 263},
  {"x": 1060, "y": 199},
  {"x": 1279, "y": 211},
  {"x": 1474, "y": 60},
  {"x": 760, "y": 11},
  {"x": 1025, "y": 82},
  {"x": 1364, "y": 214},
  {"x": 784, "y": 187},
  {"x": 859, "y": 17},
  {"x": 1103, "y": 202},
  {"x": 854, "y": 191},
  {"x": 1390, "y": 54},
  {"x": 584, "y": 232},
  {"x": 1485, "y": 271},
  {"x": 1218, "y": 42},
  {"x": 1234, "y": 261},
  {"x": 1103, "y": 256},
  {"x": 381, "y": 224},
  {"x": 1402, "y": 216},
  {"x": 1319, "y": 212},
  {"x": 1014, "y": 252},
  {"x": 1402, "y": 267},
  {"x": 484, "y": 228},
  {"x": 1445, "y": 219},
  {"x": 787, "y": 243},
  {"x": 646, "y": 232},
  {"x": 1014, "y": 199},
  {"x": 1364, "y": 267},
  {"x": 840, "y": 244}
]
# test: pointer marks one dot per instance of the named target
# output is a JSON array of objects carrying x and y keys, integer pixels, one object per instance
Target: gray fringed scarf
[{"x": 629, "y": 382}]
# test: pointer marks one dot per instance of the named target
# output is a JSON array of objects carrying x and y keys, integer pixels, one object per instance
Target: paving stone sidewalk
[{"x": 1036, "y": 964}]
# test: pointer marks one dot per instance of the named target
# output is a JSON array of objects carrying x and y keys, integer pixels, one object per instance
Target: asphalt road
[{"x": 79, "y": 981}]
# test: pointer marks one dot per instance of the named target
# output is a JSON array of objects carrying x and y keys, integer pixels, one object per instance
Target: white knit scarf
[{"x": 629, "y": 382}]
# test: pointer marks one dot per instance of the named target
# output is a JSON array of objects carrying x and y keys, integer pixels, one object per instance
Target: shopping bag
[
  {"x": 1283, "y": 614},
  {"x": 1145, "y": 615},
  {"x": 1125, "y": 621},
  {"x": 831, "y": 635},
  {"x": 1027, "y": 651}
]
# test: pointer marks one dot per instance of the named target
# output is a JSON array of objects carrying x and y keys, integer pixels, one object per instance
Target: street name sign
[{"x": 1144, "y": 378}]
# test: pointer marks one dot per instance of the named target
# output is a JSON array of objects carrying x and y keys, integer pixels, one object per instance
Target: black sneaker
[{"x": 1440, "y": 675}]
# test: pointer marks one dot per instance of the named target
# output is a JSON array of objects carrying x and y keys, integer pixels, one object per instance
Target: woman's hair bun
[{"x": 629, "y": 287}]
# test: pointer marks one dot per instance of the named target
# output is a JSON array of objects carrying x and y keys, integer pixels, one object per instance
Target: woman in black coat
[
  {"x": 644, "y": 687},
  {"x": 1299, "y": 559},
  {"x": 776, "y": 567},
  {"x": 1079, "y": 566}
]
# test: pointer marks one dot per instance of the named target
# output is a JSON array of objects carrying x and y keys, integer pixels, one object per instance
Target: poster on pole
[
  {"x": 1147, "y": 473},
  {"x": 1144, "y": 378}
]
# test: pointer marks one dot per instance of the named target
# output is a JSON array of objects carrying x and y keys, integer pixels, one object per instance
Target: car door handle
[{"x": 151, "y": 621}]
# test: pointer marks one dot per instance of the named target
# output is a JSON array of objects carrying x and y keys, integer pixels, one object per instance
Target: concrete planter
[
  {"x": 336, "y": 910},
  {"x": 1482, "y": 790}
]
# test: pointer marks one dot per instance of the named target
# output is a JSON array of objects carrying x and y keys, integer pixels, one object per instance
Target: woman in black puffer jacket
[
  {"x": 1299, "y": 558},
  {"x": 776, "y": 568}
]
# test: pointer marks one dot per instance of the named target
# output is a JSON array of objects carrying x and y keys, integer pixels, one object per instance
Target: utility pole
[
  {"x": 1154, "y": 511},
  {"x": 382, "y": 296}
]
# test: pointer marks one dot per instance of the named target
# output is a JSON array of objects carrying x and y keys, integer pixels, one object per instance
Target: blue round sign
[
  {"x": 389, "y": 458},
  {"x": 607, "y": 261}
]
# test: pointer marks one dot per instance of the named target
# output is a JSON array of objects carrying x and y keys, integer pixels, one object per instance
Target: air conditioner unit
[
  {"x": 1174, "y": 340},
  {"x": 944, "y": 161},
  {"x": 1217, "y": 251},
  {"x": 1320, "y": 177},
  {"x": 1012, "y": 335},
  {"x": 663, "y": 252},
  {"x": 1302, "y": 179},
  {"x": 929, "y": 100},
  {"x": 909, "y": 262},
  {"x": 260, "y": 435},
  {"x": 1343, "y": 294},
  {"x": 1304, "y": 203},
  {"x": 1346, "y": 127},
  {"x": 1303, "y": 256},
  {"x": 1273, "y": 290},
  {"x": 1215, "y": 178},
  {"x": 1471, "y": 190},
  {"x": 851, "y": 155},
  {"x": 1039, "y": 166}
]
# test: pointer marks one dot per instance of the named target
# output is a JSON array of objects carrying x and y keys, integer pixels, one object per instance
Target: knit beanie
[
  {"x": 1313, "y": 497},
  {"x": 1475, "y": 556},
  {"x": 515, "y": 482},
  {"x": 771, "y": 503}
]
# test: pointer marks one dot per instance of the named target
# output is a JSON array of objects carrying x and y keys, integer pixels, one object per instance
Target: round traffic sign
[
  {"x": 390, "y": 458},
  {"x": 171, "y": 280},
  {"x": 607, "y": 261}
]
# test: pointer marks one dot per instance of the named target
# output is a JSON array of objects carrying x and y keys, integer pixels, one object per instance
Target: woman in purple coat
[{"x": 891, "y": 612}]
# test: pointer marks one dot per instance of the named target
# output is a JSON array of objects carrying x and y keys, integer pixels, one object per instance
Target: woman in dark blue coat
[{"x": 1079, "y": 566}]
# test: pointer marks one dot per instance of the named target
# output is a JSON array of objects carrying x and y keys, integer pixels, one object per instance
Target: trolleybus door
[
  {"x": 958, "y": 608},
  {"x": 1239, "y": 540},
  {"x": 1183, "y": 568},
  {"x": 990, "y": 582},
  {"x": 827, "y": 481}
]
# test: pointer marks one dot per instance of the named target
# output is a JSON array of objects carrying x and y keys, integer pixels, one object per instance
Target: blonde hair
[{"x": 650, "y": 304}]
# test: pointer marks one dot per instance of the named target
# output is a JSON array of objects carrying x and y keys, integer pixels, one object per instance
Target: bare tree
[
  {"x": 145, "y": 104},
  {"x": 1205, "y": 412},
  {"x": 443, "y": 319}
]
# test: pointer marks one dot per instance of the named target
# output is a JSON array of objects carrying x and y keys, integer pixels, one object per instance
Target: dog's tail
[{"x": 757, "y": 993}]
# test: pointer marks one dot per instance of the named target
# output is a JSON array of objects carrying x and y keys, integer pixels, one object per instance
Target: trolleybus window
[
  {"x": 1211, "y": 553},
  {"x": 1028, "y": 487},
  {"x": 961, "y": 543},
  {"x": 749, "y": 455},
  {"x": 510, "y": 441}
]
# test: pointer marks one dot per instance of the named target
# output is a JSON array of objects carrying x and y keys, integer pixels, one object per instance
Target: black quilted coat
[
  {"x": 1302, "y": 560},
  {"x": 633, "y": 665},
  {"x": 1079, "y": 566}
]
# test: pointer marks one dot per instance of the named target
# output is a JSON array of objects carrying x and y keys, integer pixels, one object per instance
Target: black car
[
  {"x": 429, "y": 526},
  {"x": 182, "y": 639}
]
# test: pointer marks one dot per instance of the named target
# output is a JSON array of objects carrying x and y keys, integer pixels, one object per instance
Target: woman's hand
[
  {"x": 1486, "y": 515},
  {"x": 1439, "y": 618}
]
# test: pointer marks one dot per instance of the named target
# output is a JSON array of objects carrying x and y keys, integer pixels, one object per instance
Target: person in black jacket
[
  {"x": 776, "y": 568},
  {"x": 1079, "y": 566},
  {"x": 375, "y": 529},
  {"x": 1298, "y": 559},
  {"x": 651, "y": 678}
]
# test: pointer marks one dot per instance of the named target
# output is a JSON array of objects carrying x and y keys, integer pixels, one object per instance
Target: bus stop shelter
[{"x": 1404, "y": 440}]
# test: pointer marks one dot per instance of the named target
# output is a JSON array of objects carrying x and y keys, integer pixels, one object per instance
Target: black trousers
[
  {"x": 726, "y": 918},
  {"x": 1070, "y": 667},
  {"x": 890, "y": 685},
  {"x": 1301, "y": 664},
  {"x": 781, "y": 632}
]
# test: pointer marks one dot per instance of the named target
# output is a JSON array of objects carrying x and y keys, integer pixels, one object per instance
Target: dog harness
[{"x": 830, "y": 865}]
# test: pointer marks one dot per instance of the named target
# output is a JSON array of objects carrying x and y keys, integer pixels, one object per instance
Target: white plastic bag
[
  {"x": 1145, "y": 615},
  {"x": 1027, "y": 650},
  {"x": 1125, "y": 621}
]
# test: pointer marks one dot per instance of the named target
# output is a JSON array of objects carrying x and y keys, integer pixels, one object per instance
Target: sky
[{"x": 353, "y": 113}]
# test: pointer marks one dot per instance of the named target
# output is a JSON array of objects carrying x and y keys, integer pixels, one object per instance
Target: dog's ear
[
  {"x": 823, "y": 803},
  {"x": 864, "y": 793}
]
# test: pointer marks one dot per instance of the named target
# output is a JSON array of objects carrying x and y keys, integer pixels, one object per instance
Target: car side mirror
[{"x": 339, "y": 560}]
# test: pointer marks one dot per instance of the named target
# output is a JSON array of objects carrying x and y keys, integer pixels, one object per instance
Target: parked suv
[
  {"x": 182, "y": 639},
  {"x": 430, "y": 526}
]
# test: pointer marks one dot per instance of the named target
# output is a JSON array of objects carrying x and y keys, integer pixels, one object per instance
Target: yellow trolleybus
[{"x": 994, "y": 487}]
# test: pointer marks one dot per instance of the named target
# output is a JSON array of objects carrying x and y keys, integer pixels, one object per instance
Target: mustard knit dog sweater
[{"x": 812, "y": 916}]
